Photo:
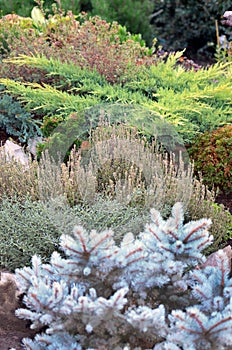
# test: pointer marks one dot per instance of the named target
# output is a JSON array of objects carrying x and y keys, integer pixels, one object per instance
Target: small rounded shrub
[
  {"x": 134, "y": 14},
  {"x": 212, "y": 155}
]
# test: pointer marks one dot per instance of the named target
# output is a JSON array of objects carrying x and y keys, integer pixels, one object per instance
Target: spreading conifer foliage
[
  {"x": 162, "y": 90},
  {"x": 16, "y": 121},
  {"x": 105, "y": 296}
]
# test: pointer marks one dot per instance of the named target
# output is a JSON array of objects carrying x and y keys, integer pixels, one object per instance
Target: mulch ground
[{"x": 12, "y": 329}]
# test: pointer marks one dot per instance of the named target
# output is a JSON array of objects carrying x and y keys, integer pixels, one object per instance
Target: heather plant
[
  {"x": 119, "y": 163},
  {"x": 92, "y": 43},
  {"x": 148, "y": 292},
  {"x": 133, "y": 14},
  {"x": 16, "y": 179},
  {"x": 120, "y": 166},
  {"x": 213, "y": 158},
  {"x": 12, "y": 26}
]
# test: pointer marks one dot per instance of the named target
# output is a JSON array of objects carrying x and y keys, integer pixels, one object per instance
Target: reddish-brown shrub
[
  {"x": 91, "y": 43},
  {"x": 212, "y": 154}
]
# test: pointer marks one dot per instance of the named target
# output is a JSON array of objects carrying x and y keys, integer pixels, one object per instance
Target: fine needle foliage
[
  {"x": 190, "y": 101},
  {"x": 108, "y": 296}
]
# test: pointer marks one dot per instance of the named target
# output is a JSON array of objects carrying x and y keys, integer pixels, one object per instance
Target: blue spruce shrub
[
  {"x": 16, "y": 121},
  {"x": 156, "y": 291}
]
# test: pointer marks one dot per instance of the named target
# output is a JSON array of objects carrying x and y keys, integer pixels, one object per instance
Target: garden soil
[{"x": 12, "y": 329}]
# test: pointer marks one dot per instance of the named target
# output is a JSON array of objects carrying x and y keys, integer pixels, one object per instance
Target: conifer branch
[{"x": 100, "y": 289}]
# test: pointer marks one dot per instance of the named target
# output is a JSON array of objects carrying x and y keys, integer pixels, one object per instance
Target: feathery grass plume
[{"x": 12, "y": 183}]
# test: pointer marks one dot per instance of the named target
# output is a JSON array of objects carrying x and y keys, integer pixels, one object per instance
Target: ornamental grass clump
[{"x": 155, "y": 291}]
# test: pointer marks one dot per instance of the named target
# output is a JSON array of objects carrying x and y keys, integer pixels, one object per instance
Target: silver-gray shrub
[
  {"x": 31, "y": 227},
  {"x": 104, "y": 295}
]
